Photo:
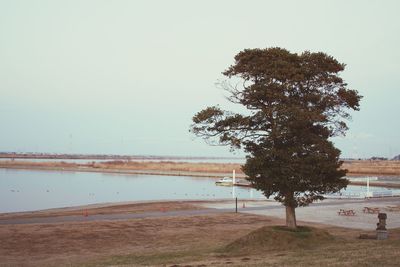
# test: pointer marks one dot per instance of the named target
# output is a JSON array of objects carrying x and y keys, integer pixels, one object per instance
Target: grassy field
[
  {"x": 372, "y": 167},
  {"x": 273, "y": 246},
  {"x": 227, "y": 239}
]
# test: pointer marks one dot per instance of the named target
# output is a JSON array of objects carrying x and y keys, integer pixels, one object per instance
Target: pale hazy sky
[{"x": 125, "y": 77}]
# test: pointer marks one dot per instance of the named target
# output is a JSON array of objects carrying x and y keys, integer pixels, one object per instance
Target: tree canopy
[{"x": 295, "y": 103}]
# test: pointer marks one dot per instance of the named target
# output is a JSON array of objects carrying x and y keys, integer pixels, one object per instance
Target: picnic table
[
  {"x": 343, "y": 212},
  {"x": 393, "y": 208},
  {"x": 371, "y": 210}
]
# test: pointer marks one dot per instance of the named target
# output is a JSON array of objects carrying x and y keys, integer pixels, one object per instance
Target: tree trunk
[{"x": 291, "y": 217}]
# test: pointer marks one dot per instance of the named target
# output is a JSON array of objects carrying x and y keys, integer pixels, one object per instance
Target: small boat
[
  {"x": 225, "y": 181},
  {"x": 244, "y": 183},
  {"x": 363, "y": 179},
  {"x": 228, "y": 181}
]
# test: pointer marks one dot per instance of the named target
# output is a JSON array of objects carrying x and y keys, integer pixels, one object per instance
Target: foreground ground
[
  {"x": 187, "y": 234},
  {"x": 187, "y": 240}
]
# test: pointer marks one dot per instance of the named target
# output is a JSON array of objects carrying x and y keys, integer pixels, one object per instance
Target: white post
[{"x": 233, "y": 177}]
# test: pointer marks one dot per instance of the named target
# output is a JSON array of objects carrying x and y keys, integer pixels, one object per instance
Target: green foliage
[{"x": 295, "y": 103}]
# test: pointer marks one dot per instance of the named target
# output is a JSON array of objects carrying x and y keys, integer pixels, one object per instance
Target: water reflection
[{"x": 22, "y": 190}]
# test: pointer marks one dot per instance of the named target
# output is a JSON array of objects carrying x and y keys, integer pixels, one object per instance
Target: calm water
[{"x": 23, "y": 190}]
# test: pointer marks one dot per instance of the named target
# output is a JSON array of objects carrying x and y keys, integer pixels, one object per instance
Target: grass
[
  {"x": 348, "y": 253},
  {"x": 162, "y": 258},
  {"x": 274, "y": 246},
  {"x": 376, "y": 167},
  {"x": 278, "y": 238}
]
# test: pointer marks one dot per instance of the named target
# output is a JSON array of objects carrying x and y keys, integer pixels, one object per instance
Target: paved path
[
  {"x": 227, "y": 207},
  {"x": 262, "y": 208},
  {"x": 328, "y": 213}
]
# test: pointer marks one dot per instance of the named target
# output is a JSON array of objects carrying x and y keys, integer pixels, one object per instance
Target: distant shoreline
[
  {"x": 117, "y": 171},
  {"x": 205, "y": 170},
  {"x": 4, "y": 155}
]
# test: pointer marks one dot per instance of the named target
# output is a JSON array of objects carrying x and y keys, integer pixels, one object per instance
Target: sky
[{"x": 126, "y": 77}]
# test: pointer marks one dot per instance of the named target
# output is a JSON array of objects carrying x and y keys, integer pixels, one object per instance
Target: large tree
[{"x": 293, "y": 104}]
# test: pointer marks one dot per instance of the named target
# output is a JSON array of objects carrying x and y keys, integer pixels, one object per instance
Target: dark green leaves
[
  {"x": 208, "y": 115},
  {"x": 296, "y": 102}
]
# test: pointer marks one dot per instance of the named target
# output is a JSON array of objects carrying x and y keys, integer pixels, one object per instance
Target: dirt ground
[
  {"x": 106, "y": 209},
  {"x": 163, "y": 241},
  {"x": 75, "y": 243}
]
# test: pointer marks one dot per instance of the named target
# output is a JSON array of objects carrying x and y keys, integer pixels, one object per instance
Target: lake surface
[
  {"x": 25, "y": 190},
  {"x": 22, "y": 190}
]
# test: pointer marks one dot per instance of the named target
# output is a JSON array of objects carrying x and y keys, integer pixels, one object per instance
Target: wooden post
[{"x": 236, "y": 206}]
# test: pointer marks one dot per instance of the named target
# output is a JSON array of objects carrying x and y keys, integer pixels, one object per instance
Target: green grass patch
[
  {"x": 278, "y": 238},
  {"x": 299, "y": 232},
  {"x": 273, "y": 246}
]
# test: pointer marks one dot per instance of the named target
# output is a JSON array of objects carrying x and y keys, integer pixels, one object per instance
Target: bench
[{"x": 343, "y": 212}]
